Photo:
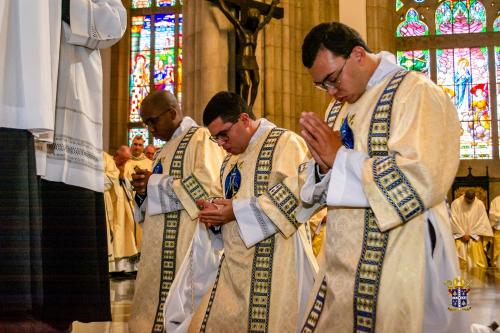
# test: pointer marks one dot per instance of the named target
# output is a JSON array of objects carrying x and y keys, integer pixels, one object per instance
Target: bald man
[
  {"x": 471, "y": 230},
  {"x": 183, "y": 171},
  {"x": 149, "y": 151}
]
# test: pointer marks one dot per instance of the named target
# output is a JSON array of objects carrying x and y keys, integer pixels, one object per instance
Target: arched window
[
  {"x": 155, "y": 56},
  {"x": 453, "y": 43}
]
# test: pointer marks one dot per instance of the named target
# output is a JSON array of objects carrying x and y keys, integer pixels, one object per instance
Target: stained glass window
[
  {"x": 417, "y": 60},
  {"x": 155, "y": 55},
  {"x": 458, "y": 17},
  {"x": 463, "y": 74},
  {"x": 496, "y": 28},
  {"x": 141, "y": 4},
  {"x": 399, "y": 4},
  {"x": 412, "y": 26},
  {"x": 462, "y": 65},
  {"x": 165, "y": 3},
  {"x": 138, "y": 131}
]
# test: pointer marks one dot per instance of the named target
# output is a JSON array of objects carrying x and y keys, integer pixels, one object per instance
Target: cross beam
[{"x": 261, "y": 6}]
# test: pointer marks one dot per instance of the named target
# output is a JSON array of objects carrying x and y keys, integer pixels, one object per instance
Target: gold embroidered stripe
[
  {"x": 381, "y": 117},
  {"x": 371, "y": 261},
  {"x": 260, "y": 290},
  {"x": 368, "y": 275},
  {"x": 265, "y": 161},
  {"x": 398, "y": 190},
  {"x": 317, "y": 309},
  {"x": 333, "y": 113},
  {"x": 212, "y": 297},
  {"x": 170, "y": 233},
  {"x": 195, "y": 189},
  {"x": 262, "y": 266},
  {"x": 178, "y": 159},
  {"x": 286, "y": 201}
]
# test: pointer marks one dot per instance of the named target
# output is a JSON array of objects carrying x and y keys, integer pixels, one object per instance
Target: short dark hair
[
  {"x": 160, "y": 100},
  {"x": 226, "y": 105},
  {"x": 334, "y": 36}
]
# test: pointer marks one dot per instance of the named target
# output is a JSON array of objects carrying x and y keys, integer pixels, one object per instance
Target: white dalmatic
[{"x": 196, "y": 276}]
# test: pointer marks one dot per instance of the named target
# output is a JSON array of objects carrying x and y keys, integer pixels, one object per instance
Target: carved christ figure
[{"x": 247, "y": 31}]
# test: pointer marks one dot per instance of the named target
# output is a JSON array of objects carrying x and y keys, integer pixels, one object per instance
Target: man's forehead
[
  {"x": 148, "y": 112},
  {"x": 216, "y": 125}
]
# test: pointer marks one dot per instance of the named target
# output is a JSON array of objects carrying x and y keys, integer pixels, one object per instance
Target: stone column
[
  {"x": 379, "y": 27},
  {"x": 286, "y": 89},
  {"x": 205, "y": 55}
]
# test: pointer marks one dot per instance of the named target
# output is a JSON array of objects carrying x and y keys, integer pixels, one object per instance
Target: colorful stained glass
[
  {"x": 179, "y": 63},
  {"x": 399, "y": 4},
  {"x": 497, "y": 63},
  {"x": 137, "y": 131},
  {"x": 457, "y": 17},
  {"x": 141, "y": 4},
  {"x": 155, "y": 66},
  {"x": 463, "y": 74},
  {"x": 165, "y": 3},
  {"x": 158, "y": 143},
  {"x": 164, "y": 70},
  {"x": 496, "y": 24},
  {"x": 140, "y": 33},
  {"x": 139, "y": 82},
  {"x": 139, "y": 63},
  {"x": 416, "y": 60},
  {"x": 412, "y": 26}
]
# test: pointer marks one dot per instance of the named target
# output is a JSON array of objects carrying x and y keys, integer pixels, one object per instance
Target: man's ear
[
  {"x": 173, "y": 113},
  {"x": 358, "y": 53},
  {"x": 245, "y": 118}
]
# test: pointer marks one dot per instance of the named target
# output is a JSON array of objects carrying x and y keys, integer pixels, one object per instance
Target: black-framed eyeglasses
[
  {"x": 151, "y": 122},
  {"x": 222, "y": 136},
  {"x": 328, "y": 82}
]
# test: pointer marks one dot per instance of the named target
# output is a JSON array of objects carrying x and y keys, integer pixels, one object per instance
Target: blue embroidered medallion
[
  {"x": 232, "y": 182},
  {"x": 158, "y": 169},
  {"x": 346, "y": 134}
]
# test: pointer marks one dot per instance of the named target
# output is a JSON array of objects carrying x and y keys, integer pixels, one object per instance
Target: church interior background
[{"x": 185, "y": 46}]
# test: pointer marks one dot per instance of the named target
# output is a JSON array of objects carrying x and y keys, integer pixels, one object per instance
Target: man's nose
[{"x": 332, "y": 91}]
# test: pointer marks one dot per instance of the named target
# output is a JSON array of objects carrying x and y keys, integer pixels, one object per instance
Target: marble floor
[
  {"x": 484, "y": 296},
  {"x": 122, "y": 292},
  {"x": 484, "y": 299}
]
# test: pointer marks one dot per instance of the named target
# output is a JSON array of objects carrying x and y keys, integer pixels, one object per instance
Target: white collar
[
  {"x": 387, "y": 66},
  {"x": 264, "y": 125},
  {"x": 186, "y": 123}
]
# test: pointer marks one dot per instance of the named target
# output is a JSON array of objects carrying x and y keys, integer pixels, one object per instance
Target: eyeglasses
[
  {"x": 329, "y": 83},
  {"x": 151, "y": 122},
  {"x": 222, "y": 137}
]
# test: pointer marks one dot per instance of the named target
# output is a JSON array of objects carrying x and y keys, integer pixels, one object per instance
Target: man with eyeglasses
[
  {"x": 267, "y": 271},
  {"x": 184, "y": 171},
  {"x": 383, "y": 161}
]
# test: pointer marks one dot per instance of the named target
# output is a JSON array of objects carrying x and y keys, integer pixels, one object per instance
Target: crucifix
[{"x": 248, "y": 17}]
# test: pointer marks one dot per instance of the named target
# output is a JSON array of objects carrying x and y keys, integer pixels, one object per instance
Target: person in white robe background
[
  {"x": 29, "y": 57},
  {"x": 471, "y": 230},
  {"x": 495, "y": 224},
  {"x": 384, "y": 159},
  {"x": 269, "y": 266},
  {"x": 51, "y": 91},
  {"x": 184, "y": 170}
]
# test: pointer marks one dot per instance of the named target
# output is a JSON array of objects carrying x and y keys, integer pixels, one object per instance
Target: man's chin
[{"x": 161, "y": 137}]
